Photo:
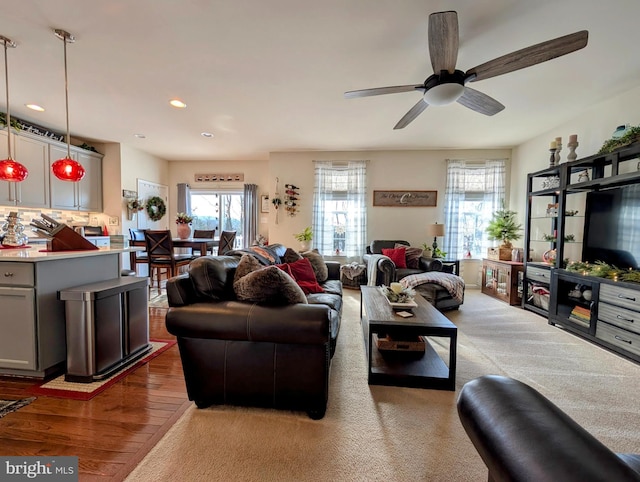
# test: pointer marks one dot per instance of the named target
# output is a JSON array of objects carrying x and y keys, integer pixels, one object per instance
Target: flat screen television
[{"x": 612, "y": 227}]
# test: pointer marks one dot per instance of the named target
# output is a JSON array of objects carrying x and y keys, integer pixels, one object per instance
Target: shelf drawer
[
  {"x": 627, "y": 319},
  {"x": 619, "y": 296},
  {"x": 540, "y": 275},
  {"x": 16, "y": 274},
  {"x": 617, "y": 336}
]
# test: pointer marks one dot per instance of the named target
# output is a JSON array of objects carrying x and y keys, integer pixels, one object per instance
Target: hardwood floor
[{"x": 113, "y": 431}]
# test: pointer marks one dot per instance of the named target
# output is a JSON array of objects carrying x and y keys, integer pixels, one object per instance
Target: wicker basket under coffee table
[{"x": 427, "y": 371}]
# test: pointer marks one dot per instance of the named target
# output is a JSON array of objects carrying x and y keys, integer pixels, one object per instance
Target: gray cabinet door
[
  {"x": 17, "y": 325},
  {"x": 85, "y": 195},
  {"x": 34, "y": 155}
]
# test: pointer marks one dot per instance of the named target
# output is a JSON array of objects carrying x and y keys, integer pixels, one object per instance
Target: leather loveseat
[
  {"x": 244, "y": 353},
  {"x": 521, "y": 436},
  {"x": 383, "y": 271}
]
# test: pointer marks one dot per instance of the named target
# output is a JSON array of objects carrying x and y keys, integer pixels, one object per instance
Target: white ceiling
[{"x": 269, "y": 75}]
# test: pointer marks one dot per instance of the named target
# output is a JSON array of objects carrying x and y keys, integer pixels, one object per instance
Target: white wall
[
  {"x": 255, "y": 172},
  {"x": 593, "y": 127},
  {"x": 387, "y": 170}
]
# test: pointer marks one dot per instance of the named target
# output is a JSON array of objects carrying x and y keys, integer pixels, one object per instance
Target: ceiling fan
[{"x": 447, "y": 84}]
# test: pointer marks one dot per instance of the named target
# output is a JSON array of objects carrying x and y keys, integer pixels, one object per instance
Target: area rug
[
  {"x": 380, "y": 433},
  {"x": 159, "y": 301},
  {"x": 8, "y": 406},
  {"x": 60, "y": 388}
]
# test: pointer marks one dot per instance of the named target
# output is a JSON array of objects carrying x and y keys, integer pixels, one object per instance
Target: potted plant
[
  {"x": 504, "y": 227},
  {"x": 183, "y": 220},
  {"x": 305, "y": 237}
]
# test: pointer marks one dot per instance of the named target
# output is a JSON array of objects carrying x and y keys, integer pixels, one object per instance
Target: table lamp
[{"x": 435, "y": 230}]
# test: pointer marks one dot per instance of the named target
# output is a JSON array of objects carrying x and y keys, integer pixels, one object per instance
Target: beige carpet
[{"x": 402, "y": 434}]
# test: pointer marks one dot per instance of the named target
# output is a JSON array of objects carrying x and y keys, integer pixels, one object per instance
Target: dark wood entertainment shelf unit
[{"x": 604, "y": 311}]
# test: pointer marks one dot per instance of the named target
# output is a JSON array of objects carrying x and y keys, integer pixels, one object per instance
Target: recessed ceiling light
[
  {"x": 206, "y": 134},
  {"x": 35, "y": 107},
  {"x": 177, "y": 103},
  {"x": 140, "y": 136}
]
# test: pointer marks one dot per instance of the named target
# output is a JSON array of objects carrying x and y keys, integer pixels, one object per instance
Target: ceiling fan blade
[
  {"x": 443, "y": 41},
  {"x": 529, "y": 56},
  {"x": 476, "y": 100},
  {"x": 382, "y": 90},
  {"x": 414, "y": 112}
]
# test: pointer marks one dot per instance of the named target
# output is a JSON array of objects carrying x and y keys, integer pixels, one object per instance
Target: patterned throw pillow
[
  {"x": 269, "y": 285},
  {"x": 412, "y": 256},
  {"x": 397, "y": 255},
  {"x": 318, "y": 265}
]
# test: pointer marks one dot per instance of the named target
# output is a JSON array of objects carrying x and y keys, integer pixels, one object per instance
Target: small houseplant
[
  {"x": 183, "y": 218},
  {"x": 305, "y": 237},
  {"x": 504, "y": 227},
  {"x": 133, "y": 206}
]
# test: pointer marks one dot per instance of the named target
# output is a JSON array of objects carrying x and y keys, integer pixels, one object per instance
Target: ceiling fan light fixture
[{"x": 443, "y": 94}]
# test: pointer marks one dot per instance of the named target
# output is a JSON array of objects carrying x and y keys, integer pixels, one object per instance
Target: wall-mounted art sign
[{"x": 405, "y": 198}]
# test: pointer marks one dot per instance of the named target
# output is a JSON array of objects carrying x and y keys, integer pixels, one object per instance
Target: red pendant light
[
  {"x": 67, "y": 169},
  {"x": 10, "y": 170}
]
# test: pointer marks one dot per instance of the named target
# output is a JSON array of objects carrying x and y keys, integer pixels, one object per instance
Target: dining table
[{"x": 201, "y": 244}]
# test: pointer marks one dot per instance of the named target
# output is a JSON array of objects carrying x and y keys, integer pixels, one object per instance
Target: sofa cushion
[
  {"x": 318, "y": 264},
  {"x": 397, "y": 255},
  {"x": 332, "y": 286},
  {"x": 247, "y": 264},
  {"x": 411, "y": 256},
  {"x": 269, "y": 285},
  {"x": 302, "y": 272},
  {"x": 290, "y": 255}
]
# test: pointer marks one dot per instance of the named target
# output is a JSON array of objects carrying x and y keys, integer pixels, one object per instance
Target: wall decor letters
[{"x": 405, "y": 198}]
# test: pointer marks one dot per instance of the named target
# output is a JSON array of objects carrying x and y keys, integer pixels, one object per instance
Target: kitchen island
[{"x": 32, "y": 317}]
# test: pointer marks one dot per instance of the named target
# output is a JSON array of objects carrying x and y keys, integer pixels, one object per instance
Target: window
[
  {"x": 219, "y": 210},
  {"x": 339, "y": 215},
  {"x": 474, "y": 191}
]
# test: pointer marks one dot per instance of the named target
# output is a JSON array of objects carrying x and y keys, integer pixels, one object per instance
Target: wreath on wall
[{"x": 156, "y": 208}]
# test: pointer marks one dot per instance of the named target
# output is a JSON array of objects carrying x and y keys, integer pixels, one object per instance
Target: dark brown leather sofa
[
  {"x": 241, "y": 353},
  {"x": 522, "y": 436}
]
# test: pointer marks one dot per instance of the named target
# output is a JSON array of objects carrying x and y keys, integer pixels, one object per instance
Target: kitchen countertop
[{"x": 36, "y": 253}]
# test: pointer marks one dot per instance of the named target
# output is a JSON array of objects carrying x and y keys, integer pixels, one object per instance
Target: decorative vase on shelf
[{"x": 184, "y": 231}]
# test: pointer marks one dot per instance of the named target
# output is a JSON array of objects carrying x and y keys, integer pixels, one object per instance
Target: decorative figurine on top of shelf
[
  {"x": 558, "y": 149},
  {"x": 572, "y": 144},
  {"x": 13, "y": 231},
  {"x": 583, "y": 176},
  {"x": 552, "y": 150}
]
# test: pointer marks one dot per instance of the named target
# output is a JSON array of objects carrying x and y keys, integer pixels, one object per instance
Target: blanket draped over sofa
[{"x": 452, "y": 283}]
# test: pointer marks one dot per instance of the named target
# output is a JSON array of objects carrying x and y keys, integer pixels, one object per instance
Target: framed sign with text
[{"x": 405, "y": 198}]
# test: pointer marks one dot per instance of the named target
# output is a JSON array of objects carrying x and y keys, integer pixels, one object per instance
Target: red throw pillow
[
  {"x": 285, "y": 267},
  {"x": 303, "y": 273},
  {"x": 397, "y": 255}
]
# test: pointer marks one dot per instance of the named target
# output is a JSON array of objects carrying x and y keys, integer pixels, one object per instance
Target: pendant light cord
[
  {"x": 66, "y": 95},
  {"x": 6, "y": 84}
]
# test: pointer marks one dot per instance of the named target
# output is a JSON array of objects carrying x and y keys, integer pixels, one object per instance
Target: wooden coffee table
[{"x": 404, "y": 369}]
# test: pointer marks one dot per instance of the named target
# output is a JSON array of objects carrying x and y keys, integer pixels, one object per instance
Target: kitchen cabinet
[
  {"x": 33, "y": 323},
  {"x": 85, "y": 195},
  {"x": 32, "y": 153}
]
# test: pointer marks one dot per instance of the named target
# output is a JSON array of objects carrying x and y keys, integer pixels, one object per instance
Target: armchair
[{"x": 381, "y": 270}]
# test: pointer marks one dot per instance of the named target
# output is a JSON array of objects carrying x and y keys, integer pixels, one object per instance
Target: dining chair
[
  {"x": 162, "y": 255},
  {"x": 137, "y": 257},
  {"x": 227, "y": 239},
  {"x": 204, "y": 233}
]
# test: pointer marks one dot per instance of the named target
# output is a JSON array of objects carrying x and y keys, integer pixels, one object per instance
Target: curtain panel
[{"x": 250, "y": 219}]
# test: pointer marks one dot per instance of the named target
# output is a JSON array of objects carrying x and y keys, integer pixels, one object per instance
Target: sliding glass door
[{"x": 219, "y": 210}]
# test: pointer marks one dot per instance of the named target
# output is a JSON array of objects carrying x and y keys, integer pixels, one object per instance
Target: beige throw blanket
[{"x": 452, "y": 283}]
